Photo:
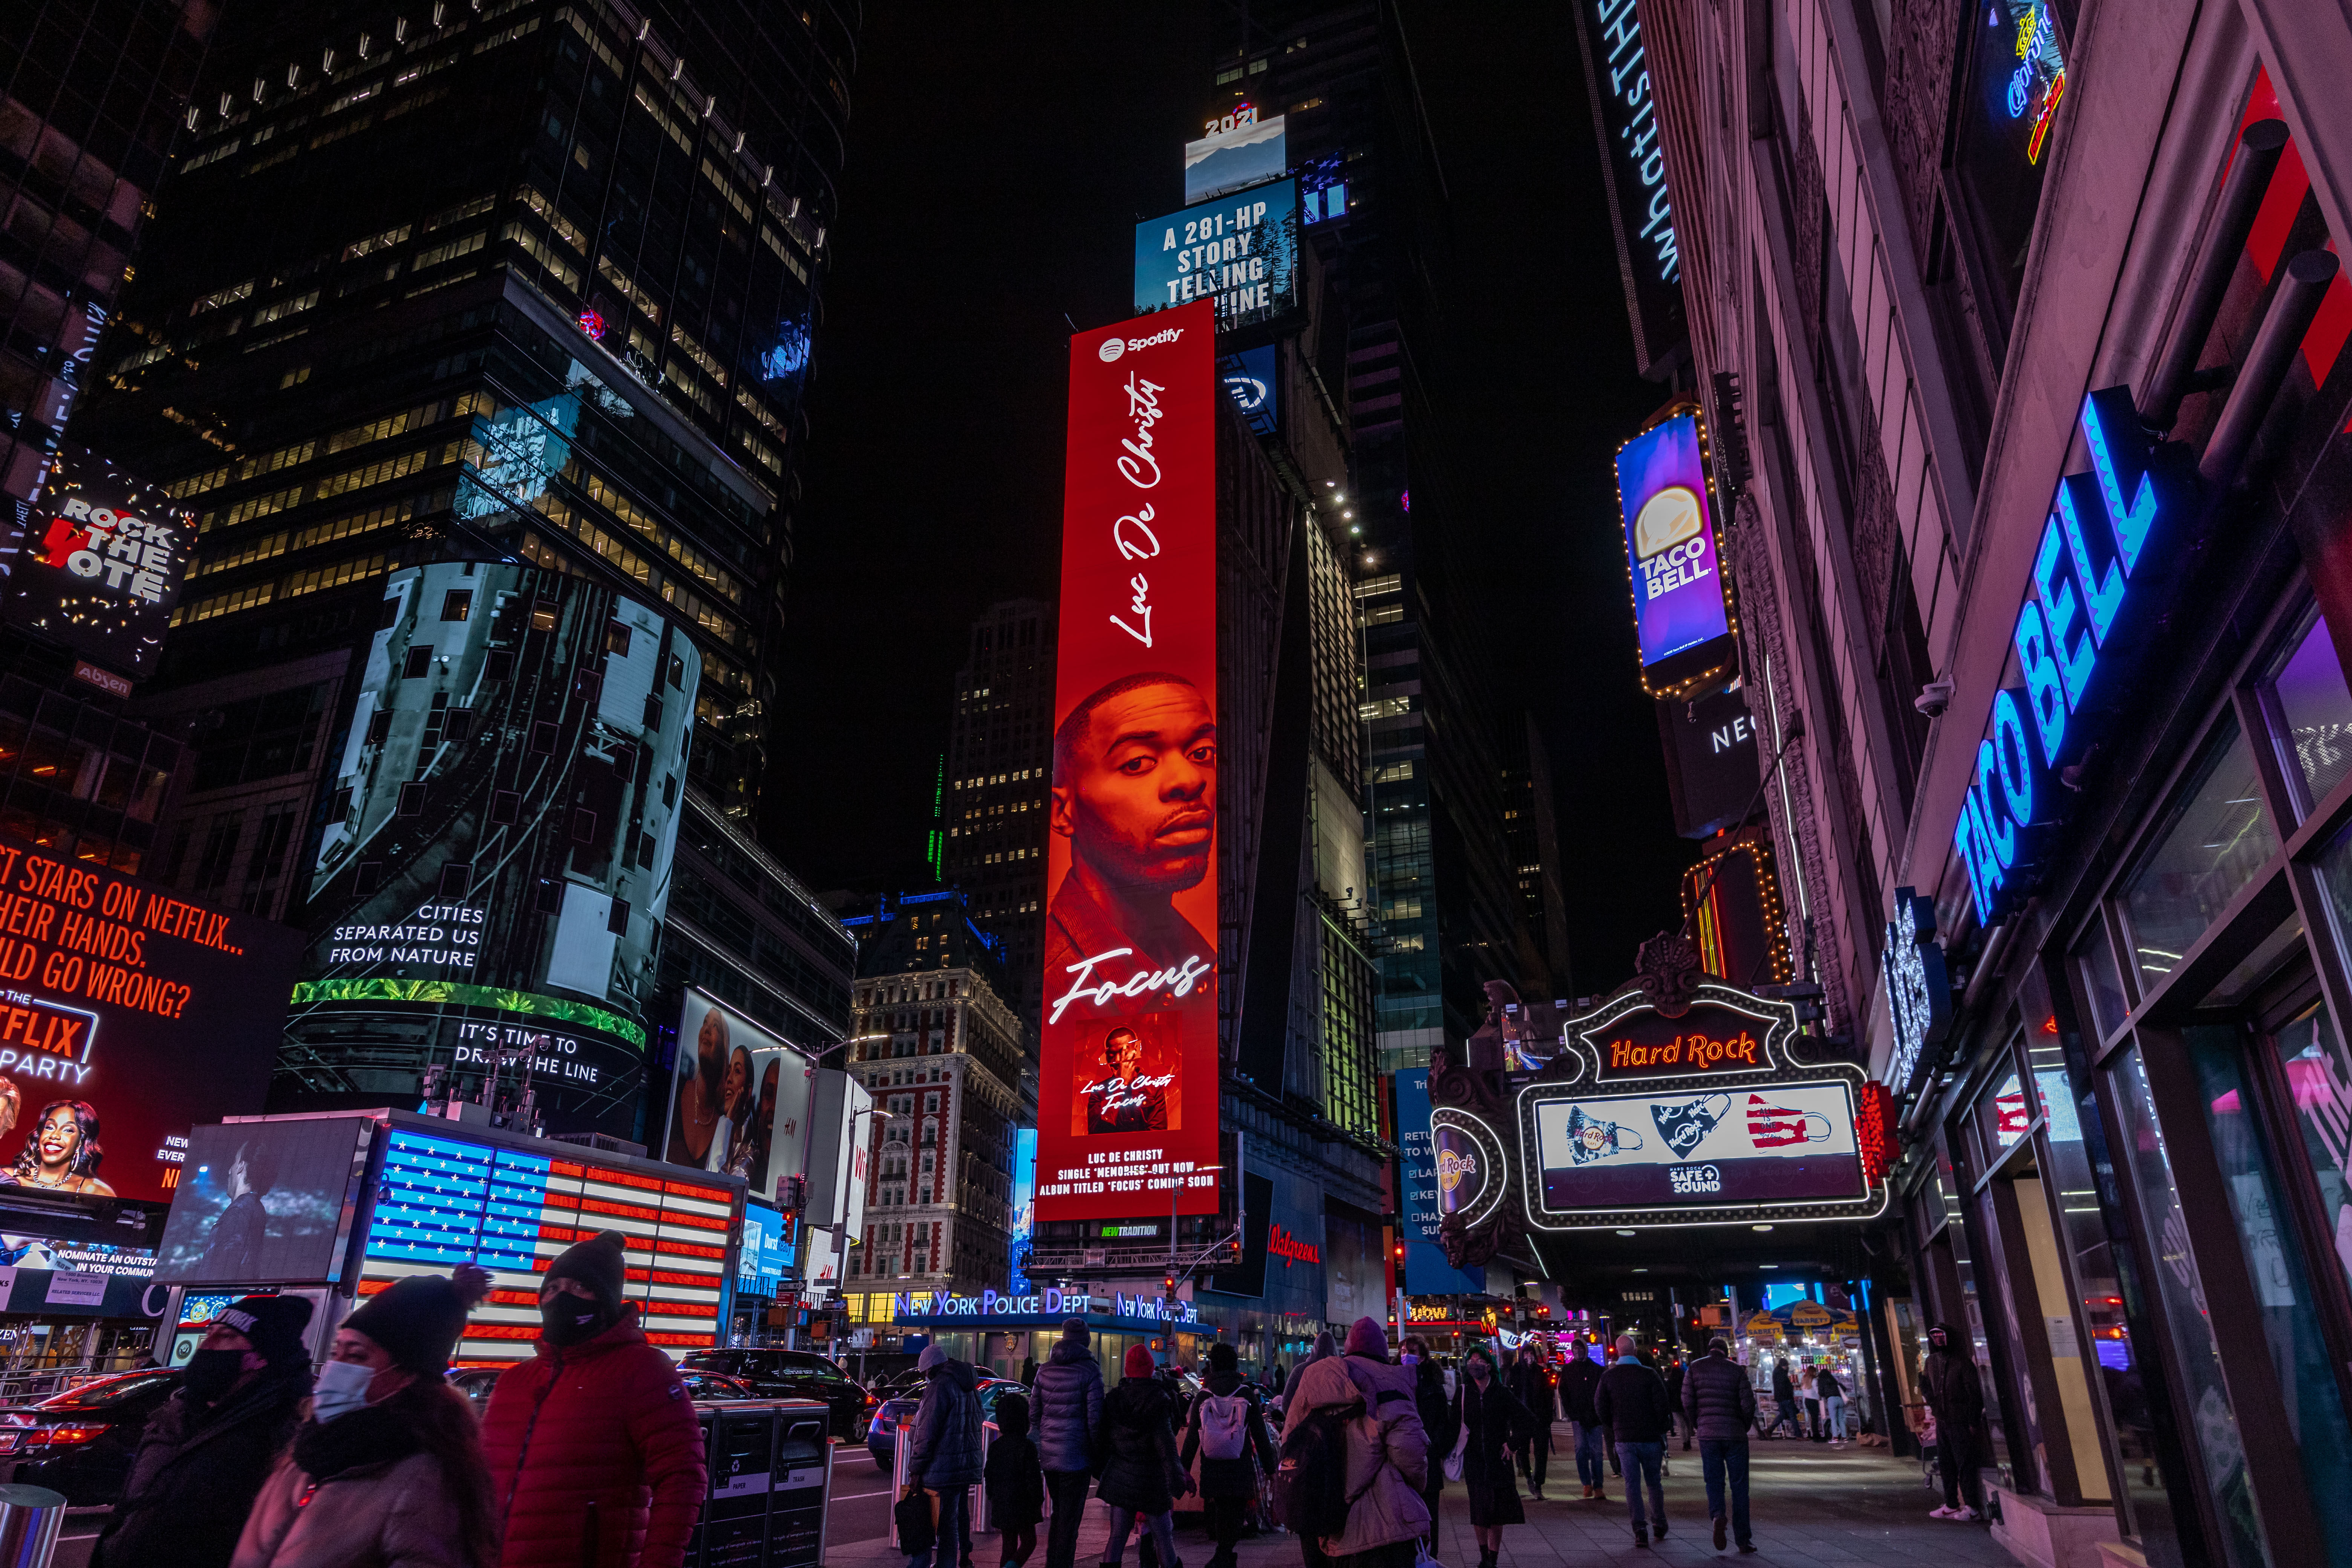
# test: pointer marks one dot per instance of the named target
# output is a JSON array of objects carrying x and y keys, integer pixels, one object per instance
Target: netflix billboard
[{"x": 1128, "y": 1054}]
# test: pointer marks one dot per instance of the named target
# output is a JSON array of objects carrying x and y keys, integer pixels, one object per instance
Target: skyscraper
[
  {"x": 1443, "y": 882},
  {"x": 999, "y": 771},
  {"x": 536, "y": 285},
  {"x": 94, "y": 93}
]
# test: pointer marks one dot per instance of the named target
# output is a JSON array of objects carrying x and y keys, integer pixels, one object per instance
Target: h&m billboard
[{"x": 1128, "y": 1058}]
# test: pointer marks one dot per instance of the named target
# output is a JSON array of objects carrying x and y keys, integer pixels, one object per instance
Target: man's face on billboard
[
  {"x": 1123, "y": 1053},
  {"x": 1141, "y": 808}
]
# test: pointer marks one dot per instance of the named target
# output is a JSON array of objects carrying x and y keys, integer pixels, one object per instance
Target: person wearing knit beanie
[
  {"x": 1367, "y": 1338},
  {"x": 601, "y": 1263},
  {"x": 1138, "y": 1362},
  {"x": 272, "y": 1324},
  {"x": 418, "y": 1320},
  {"x": 1073, "y": 1332}
]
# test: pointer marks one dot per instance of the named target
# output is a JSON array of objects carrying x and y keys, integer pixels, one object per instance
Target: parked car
[
  {"x": 81, "y": 1442},
  {"x": 475, "y": 1383},
  {"x": 795, "y": 1374},
  {"x": 882, "y": 1437}
]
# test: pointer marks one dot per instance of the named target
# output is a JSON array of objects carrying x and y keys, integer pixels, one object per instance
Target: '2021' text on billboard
[{"x": 1128, "y": 1054}]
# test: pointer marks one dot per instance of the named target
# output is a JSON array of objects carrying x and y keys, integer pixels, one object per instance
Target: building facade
[
  {"x": 2021, "y": 330},
  {"x": 998, "y": 772},
  {"x": 946, "y": 1060}
]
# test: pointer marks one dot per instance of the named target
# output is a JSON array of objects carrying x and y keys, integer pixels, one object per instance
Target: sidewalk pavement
[{"x": 1811, "y": 1507}]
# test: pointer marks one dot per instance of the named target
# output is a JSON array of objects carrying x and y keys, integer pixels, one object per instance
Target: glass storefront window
[
  {"x": 2334, "y": 865},
  {"x": 2003, "y": 1116},
  {"x": 2316, "y": 1073},
  {"x": 2218, "y": 1449},
  {"x": 2095, "y": 961},
  {"x": 2218, "y": 839},
  {"x": 2299, "y": 1352},
  {"x": 2315, "y": 710}
]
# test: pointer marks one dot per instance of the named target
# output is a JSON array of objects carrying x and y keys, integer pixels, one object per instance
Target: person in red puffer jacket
[{"x": 594, "y": 1451}]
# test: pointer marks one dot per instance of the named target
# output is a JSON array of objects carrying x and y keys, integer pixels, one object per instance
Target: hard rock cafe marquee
[{"x": 1679, "y": 1102}]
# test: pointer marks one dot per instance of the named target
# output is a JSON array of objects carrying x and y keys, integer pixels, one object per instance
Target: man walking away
[
  {"x": 1832, "y": 1397},
  {"x": 1632, "y": 1403},
  {"x": 1069, "y": 1419},
  {"x": 204, "y": 1454},
  {"x": 1579, "y": 1381},
  {"x": 1784, "y": 1400},
  {"x": 1721, "y": 1405},
  {"x": 1957, "y": 1398},
  {"x": 945, "y": 1460},
  {"x": 1530, "y": 1382},
  {"x": 594, "y": 1451}
]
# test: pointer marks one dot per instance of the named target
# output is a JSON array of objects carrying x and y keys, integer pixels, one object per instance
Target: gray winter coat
[
  {"x": 1066, "y": 1409},
  {"x": 947, "y": 1430},
  {"x": 1719, "y": 1398}
]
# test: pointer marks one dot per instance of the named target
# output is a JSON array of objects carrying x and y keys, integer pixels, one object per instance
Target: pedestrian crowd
[{"x": 589, "y": 1456}]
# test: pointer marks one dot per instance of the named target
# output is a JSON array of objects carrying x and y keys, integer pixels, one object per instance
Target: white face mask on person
[{"x": 342, "y": 1388}]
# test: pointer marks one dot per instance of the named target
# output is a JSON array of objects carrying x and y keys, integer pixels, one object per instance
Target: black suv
[{"x": 795, "y": 1374}]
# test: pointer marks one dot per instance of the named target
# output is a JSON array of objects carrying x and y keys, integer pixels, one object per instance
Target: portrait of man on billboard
[{"x": 1134, "y": 792}]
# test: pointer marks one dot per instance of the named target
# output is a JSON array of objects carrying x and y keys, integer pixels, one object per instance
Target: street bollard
[{"x": 30, "y": 1519}]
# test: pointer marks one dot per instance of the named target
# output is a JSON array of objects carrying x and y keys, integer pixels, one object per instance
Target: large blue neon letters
[{"x": 2092, "y": 576}]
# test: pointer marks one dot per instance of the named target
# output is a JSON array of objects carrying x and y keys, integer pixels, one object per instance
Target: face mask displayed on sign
[{"x": 1697, "y": 1116}]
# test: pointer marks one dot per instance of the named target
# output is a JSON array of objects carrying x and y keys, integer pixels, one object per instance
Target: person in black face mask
[
  {"x": 594, "y": 1449},
  {"x": 206, "y": 1453}
]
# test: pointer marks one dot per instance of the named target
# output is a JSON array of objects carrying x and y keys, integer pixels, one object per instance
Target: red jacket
[{"x": 595, "y": 1455}]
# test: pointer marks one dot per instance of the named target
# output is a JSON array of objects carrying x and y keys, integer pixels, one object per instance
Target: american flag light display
[{"x": 444, "y": 1200}]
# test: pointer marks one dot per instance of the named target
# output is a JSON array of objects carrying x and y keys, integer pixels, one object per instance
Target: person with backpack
[
  {"x": 1015, "y": 1481},
  {"x": 1491, "y": 1421},
  {"x": 1357, "y": 1457},
  {"x": 1631, "y": 1404},
  {"x": 1141, "y": 1477},
  {"x": 1068, "y": 1411},
  {"x": 1579, "y": 1380},
  {"x": 1533, "y": 1385},
  {"x": 1325, "y": 1347},
  {"x": 1227, "y": 1432},
  {"x": 1443, "y": 1428},
  {"x": 1721, "y": 1403}
]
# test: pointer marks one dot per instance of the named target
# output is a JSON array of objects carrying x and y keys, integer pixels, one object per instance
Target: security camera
[{"x": 1934, "y": 698}]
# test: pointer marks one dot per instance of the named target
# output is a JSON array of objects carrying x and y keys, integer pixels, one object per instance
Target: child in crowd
[{"x": 1015, "y": 1481}]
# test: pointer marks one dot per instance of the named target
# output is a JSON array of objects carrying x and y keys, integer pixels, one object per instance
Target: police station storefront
[
  {"x": 1000, "y": 1334},
  {"x": 2127, "y": 1108}
]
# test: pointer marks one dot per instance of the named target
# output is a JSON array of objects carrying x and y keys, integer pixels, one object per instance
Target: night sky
[{"x": 994, "y": 176}]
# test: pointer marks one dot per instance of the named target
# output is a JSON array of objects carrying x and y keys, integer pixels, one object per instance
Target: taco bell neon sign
[{"x": 2096, "y": 575}]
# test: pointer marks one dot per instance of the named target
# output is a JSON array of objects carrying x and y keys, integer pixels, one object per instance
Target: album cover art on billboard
[{"x": 1134, "y": 1082}]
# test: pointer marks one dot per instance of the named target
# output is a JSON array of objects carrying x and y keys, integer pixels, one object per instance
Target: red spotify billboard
[{"x": 1128, "y": 1065}]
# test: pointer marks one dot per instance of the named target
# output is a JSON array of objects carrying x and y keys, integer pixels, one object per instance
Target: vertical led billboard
[
  {"x": 494, "y": 863},
  {"x": 1678, "y": 604},
  {"x": 1128, "y": 1068},
  {"x": 103, "y": 558}
]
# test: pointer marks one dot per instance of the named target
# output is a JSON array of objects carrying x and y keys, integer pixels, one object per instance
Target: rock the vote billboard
[{"x": 1128, "y": 1076}]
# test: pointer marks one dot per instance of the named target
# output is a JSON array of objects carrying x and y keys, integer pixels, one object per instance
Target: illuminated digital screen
[
  {"x": 1239, "y": 251},
  {"x": 449, "y": 1199},
  {"x": 128, "y": 1013},
  {"x": 742, "y": 1098},
  {"x": 1776, "y": 1144},
  {"x": 1678, "y": 601},
  {"x": 101, "y": 569},
  {"x": 1129, "y": 1048}
]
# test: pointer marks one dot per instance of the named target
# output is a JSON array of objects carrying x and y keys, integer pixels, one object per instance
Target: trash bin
[{"x": 30, "y": 1519}]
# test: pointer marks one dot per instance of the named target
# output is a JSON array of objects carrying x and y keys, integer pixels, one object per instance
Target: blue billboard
[
  {"x": 1025, "y": 1207},
  {"x": 1248, "y": 379},
  {"x": 1241, "y": 251},
  {"x": 1426, "y": 1272},
  {"x": 760, "y": 1265}
]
